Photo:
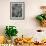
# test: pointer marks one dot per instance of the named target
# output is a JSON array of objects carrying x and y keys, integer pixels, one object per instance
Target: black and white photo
[{"x": 17, "y": 10}]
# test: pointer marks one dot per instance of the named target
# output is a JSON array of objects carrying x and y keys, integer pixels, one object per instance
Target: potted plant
[
  {"x": 10, "y": 31},
  {"x": 42, "y": 17}
]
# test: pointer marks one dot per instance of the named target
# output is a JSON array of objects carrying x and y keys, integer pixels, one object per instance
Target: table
[{"x": 25, "y": 44}]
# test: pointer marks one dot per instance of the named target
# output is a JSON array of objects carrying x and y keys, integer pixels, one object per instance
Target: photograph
[{"x": 17, "y": 10}]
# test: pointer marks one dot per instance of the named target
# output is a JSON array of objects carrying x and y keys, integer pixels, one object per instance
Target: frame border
[{"x": 23, "y": 11}]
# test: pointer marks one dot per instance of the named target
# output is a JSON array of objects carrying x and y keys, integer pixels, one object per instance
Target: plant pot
[
  {"x": 9, "y": 41},
  {"x": 13, "y": 38},
  {"x": 43, "y": 23}
]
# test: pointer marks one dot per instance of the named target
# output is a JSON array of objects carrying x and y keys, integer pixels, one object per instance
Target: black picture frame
[{"x": 17, "y": 10}]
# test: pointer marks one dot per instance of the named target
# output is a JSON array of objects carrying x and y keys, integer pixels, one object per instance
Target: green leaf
[
  {"x": 10, "y": 31},
  {"x": 45, "y": 16},
  {"x": 40, "y": 18}
]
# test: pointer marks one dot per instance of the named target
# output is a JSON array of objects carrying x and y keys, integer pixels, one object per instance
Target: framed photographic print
[{"x": 17, "y": 10}]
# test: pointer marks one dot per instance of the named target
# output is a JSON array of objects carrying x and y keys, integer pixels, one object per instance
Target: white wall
[{"x": 27, "y": 26}]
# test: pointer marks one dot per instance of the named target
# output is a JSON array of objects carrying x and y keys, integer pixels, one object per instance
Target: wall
[{"x": 27, "y": 26}]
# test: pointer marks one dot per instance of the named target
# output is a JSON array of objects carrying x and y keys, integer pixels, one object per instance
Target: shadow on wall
[
  {"x": 34, "y": 22},
  {"x": 2, "y": 29}
]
